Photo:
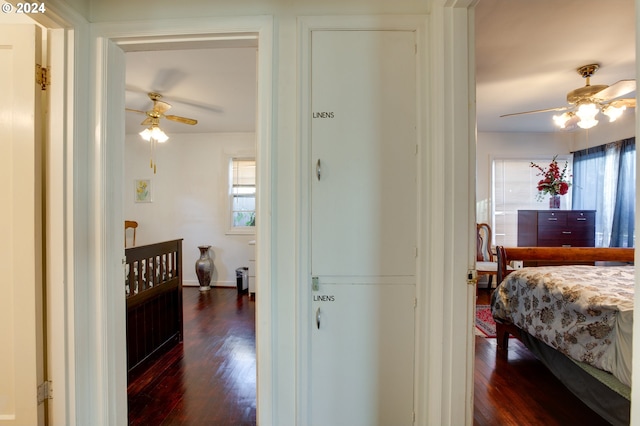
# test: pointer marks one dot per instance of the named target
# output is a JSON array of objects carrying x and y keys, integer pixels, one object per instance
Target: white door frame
[{"x": 111, "y": 41}]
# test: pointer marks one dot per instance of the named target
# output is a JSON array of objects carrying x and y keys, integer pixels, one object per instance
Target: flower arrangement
[{"x": 554, "y": 181}]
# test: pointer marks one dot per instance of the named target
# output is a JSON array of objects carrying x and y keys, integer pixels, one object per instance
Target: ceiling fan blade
[
  {"x": 618, "y": 89},
  {"x": 196, "y": 104},
  {"x": 147, "y": 121},
  {"x": 627, "y": 102},
  {"x": 537, "y": 111},
  {"x": 183, "y": 120},
  {"x": 135, "y": 110},
  {"x": 161, "y": 107},
  {"x": 166, "y": 79}
]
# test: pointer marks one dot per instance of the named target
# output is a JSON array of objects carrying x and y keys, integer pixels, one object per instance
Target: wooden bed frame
[
  {"x": 600, "y": 397},
  {"x": 153, "y": 290}
]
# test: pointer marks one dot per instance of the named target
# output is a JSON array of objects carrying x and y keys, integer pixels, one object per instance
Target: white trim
[
  {"x": 307, "y": 24},
  {"x": 128, "y": 36},
  {"x": 449, "y": 216}
]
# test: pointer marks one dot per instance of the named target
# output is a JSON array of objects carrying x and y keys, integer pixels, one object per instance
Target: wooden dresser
[{"x": 556, "y": 228}]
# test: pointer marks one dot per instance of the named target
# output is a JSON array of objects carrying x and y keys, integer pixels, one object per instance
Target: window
[
  {"x": 604, "y": 179},
  {"x": 514, "y": 188},
  {"x": 242, "y": 195}
]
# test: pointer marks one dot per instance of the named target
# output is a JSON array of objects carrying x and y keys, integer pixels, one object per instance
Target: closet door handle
[
  {"x": 318, "y": 170},
  {"x": 318, "y": 318}
]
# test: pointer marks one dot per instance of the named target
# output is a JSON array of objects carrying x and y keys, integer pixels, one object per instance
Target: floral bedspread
[{"x": 586, "y": 312}]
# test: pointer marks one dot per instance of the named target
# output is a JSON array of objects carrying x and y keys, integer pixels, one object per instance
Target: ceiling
[
  {"x": 527, "y": 53},
  {"x": 214, "y": 83}
]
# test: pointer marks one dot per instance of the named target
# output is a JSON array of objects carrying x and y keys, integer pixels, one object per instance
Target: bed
[
  {"x": 153, "y": 289},
  {"x": 573, "y": 309}
]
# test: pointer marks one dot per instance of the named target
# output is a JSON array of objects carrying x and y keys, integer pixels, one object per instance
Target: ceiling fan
[
  {"x": 153, "y": 133},
  {"x": 158, "y": 111},
  {"x": 586, "y": 102}
]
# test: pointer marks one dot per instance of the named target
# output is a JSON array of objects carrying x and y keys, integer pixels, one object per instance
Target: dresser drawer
[
  {"x": 566, "y": 242},
  {"x": 581, "y": 219},
  {"x": 553, "y": 219},
  {"x": 556, "y": 233}
]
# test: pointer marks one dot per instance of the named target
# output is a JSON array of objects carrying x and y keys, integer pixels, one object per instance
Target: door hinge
[
  {"x": 43, "y": 77},
  {"x": 45, "y": 391}
]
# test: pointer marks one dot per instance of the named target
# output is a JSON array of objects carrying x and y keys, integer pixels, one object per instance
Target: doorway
[
  {"x": 112, "y": 85},
  {"x": 203, "y": 95}
]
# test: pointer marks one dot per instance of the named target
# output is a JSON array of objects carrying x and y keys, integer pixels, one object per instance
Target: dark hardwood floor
[
  {"x": 520, "y": 390},
  {"x": 210, "y": 379}
]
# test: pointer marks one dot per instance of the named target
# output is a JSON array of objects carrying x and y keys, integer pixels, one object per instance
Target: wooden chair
[
  {"x": 485, "y": 263},
  {"x": 133, "y": 225}
]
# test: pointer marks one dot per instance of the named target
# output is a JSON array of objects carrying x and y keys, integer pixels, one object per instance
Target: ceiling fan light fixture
[
  {"x": 613, "y": 112},
  {"x": 561, "y": 120},
  {"x": 155, "y": 133},
  {"x": 587, "y": 113},
  {"x": 146, "y": 134}
]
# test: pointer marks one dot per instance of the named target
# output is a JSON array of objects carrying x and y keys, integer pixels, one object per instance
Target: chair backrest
[
  {"x": 484, "y": 253},
  {"x": 133, "y": 225}
]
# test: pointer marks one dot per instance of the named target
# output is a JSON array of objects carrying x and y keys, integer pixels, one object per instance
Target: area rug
[{"x": 485, "y": 325}]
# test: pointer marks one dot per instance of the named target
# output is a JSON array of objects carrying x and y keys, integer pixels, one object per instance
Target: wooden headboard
[{"x": 561, "y": 255}]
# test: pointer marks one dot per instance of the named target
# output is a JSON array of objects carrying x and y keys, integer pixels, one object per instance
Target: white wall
[
  {"x": 531, "y": 145},
  {"x": 189, "y": 198}
]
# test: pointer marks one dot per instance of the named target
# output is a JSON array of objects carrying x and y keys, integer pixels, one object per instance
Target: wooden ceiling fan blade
[
  {"x": 537, "y": 111},
  {"x": 134, "y": 110},
  {"x": 627, "y": 102},
  {"x": 161, "y": 107},
  {"x": 617, "y": 89},
  {"x": 183, "y": 120},
  {"x": 147, "y": 121}
]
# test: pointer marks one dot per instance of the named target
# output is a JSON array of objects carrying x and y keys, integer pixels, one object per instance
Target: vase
[
  {"x": 554, "y": 202},
  {"x": 204, "y": 268}
]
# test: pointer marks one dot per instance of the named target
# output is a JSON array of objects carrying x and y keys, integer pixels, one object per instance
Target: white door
[
  {"x": 21, "y": 251},
  {"x": 363, "y": 227}
]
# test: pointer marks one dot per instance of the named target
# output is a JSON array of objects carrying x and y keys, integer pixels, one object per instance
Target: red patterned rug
[{"x": 484, "y": 321}]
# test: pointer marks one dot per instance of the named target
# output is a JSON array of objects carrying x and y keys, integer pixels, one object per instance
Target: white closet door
[
  {"x": 363, "y": 227},
  {"x": 22, "y": 320},
  {"x": 363, "y": 129}
]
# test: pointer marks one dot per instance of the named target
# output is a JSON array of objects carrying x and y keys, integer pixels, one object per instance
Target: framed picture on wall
[{"x": 143, "y": 191}]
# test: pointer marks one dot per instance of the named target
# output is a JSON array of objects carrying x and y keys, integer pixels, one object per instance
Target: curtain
[
  {"x": 604, "y": 180},
  {"x": 622, "y": 232}
]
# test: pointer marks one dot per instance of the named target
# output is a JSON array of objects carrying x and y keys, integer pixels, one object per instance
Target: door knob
[{"x": 318, "y": 318}]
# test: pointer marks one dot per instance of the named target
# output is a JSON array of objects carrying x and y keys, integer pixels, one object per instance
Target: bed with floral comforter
[{"x": 585, "y": 312}]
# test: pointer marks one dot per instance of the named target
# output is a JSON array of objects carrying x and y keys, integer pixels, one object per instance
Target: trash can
[{"x": 242, "y": 279}]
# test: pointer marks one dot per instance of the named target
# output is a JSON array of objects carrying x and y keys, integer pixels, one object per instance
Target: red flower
[{"x": 554, "y": 181}]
